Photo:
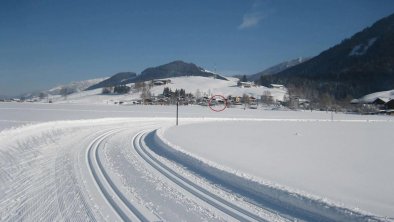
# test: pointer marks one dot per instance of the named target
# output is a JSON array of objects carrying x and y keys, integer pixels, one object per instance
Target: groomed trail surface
[
  {"x": 120, "y": 169},
  {"x": 93, "y": 170}
]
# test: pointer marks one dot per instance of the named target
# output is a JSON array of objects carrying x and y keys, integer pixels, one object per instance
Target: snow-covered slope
[
  {"x": 387, "y": 95},
  {"x": 75, "y": 86},
  {"x": 192, "y": 84},
  {"x": 72, "y": 87},
  {"x": 216, "y": 86}
]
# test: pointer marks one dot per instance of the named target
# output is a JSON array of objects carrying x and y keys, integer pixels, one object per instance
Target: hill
[
  {"x": 75, "y": 86},
  {"x": 170, "y": 70},
  {"x": 357, "y": 66},
  {"x": 72, "y": 87},
  {"x": 174, "y": 69},
  {"x": 117, "y": 79}
]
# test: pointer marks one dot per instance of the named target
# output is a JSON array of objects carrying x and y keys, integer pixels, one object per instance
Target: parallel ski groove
[
  {"x": 212, "y": 199},
  {"x": 97, "y": 169}
]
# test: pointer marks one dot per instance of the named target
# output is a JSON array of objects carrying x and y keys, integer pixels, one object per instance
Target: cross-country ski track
[{"x": 105, "y": 170}]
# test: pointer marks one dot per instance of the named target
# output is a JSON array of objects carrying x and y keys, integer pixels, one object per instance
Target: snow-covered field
[
  {"x": 100, "y": 162},
  {"x": 346, "y": 163}
]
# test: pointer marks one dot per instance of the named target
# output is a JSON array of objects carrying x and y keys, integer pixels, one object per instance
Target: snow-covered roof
[
  {"x": 370, "y": 98},
  {"x": 277, "y": 85}
]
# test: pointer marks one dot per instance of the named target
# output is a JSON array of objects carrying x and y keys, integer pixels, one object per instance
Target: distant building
[
  {"x": 304, "y": 103},
  {"x": 278, "y": 86},
  {"x": 389, "y": 105},
  {"x": 378, "y": 105},
  {"x": 159, "y": 82},
  {"x": 252, "y": 100},
  {"x": 380, "y": 102},
  {"x": 246, "y": 84}
]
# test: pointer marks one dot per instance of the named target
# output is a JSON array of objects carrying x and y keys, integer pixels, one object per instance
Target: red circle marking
[{"x": 217, "y": 110}]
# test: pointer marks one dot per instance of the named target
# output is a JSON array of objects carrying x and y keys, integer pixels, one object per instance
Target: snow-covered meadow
[
  {"x": 341, "y": 160},
  {"x": 346, "y": 163}
]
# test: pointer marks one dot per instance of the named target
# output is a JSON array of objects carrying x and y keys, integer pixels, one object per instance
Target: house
[
  {"x": 278, "y": 86},
  {"x": 160, "y": 82},
  {"x": 148, "y": 102},
  {"x": 246, "y": 84},
  {"x": 163, "y": 101},
  {"x": 252, "y": 100},
  {"x": 136, "y": 102},
  {"x": 304, "y": 103},
  {"x": 389, "y": 105},
  {"x": 380, "y": 102},
  {"x": 237, "y": 100}
]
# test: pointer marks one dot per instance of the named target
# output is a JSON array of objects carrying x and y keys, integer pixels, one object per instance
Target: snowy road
[{"x": 92, "y": 170}]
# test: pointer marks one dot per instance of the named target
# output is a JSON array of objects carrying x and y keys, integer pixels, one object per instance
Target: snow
[
  {"x": 361, "y": 49},
  {"x": 206, "y": 85},
  {"x": 77, "y": 86},
  {"x": 344, "y": 163},
  {"x": 44, "y": 175},
  {"x": 217, "y": 87},
  {"x": 44, "y": 146},
  {"x": 384, "y": 95}
]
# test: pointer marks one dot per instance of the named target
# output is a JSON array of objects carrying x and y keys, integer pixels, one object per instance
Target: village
[
  {"x": 166, "y": 92},
  {"x": 380, "y": 105},
  {"x": 181, "y": 97}
]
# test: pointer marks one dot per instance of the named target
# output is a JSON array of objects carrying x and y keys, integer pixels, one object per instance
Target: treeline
[
  {"x": 323, "y": 93},
  {"x": 120, "y": 89},
  {"x": 178, "y": 93}
]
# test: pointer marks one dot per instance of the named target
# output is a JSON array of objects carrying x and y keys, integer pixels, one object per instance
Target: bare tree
[
  {"x": 146, "y": 94},
  {"x": 267, "y": 98},
  {"x": 64, "y": 92}
]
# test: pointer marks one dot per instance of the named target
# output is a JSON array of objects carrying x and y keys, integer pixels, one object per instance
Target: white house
[
  {"x": 246, "y": 84},
  {"x": 278, "y": 86}
]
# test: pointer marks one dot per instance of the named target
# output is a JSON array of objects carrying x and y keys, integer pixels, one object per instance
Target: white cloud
[
  {"x": 250, "y": 20},
  {"x": 260, "y": 9}
]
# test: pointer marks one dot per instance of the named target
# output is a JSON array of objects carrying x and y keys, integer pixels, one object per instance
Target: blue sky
[{"x": 48, "y": 42}]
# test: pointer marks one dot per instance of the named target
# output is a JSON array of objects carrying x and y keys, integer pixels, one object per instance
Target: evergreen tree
[
  {"x": 244, "y": 79},
  {"x": 121, "y": 89},
  {"x": 182, "y": 93},
  {"x": 167, "y": 92}
]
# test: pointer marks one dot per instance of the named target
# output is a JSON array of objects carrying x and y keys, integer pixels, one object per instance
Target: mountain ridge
[
  {"x": 117, "y": 79},
  {"x": 357, "y": 66},
  {"x": 176, "y": 68}
]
